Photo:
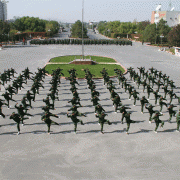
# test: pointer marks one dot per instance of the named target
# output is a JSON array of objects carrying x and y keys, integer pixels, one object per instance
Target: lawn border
[
  {"x": 85, "y": 55},
  {"x": 92, "y": 78}
]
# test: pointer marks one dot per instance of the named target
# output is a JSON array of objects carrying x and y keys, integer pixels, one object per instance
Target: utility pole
[{"x": 82, "y": 29}]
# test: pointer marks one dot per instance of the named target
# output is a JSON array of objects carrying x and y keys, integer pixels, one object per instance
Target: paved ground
[
  {"x": 91, "y": 35},
  {"x": 88, "y": 154}
]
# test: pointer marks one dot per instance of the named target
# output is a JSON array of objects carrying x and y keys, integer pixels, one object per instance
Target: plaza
[{"x": 88, "y": 154}]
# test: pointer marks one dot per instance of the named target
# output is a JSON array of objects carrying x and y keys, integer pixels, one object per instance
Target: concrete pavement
[{"x": 89, "y": 154}]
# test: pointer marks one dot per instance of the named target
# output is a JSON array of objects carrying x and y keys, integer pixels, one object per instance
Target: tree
[
  {"x": 141, "y": 26},
  {"x": 30, "y": 23},
  {"x": 174, "y": 36},
  {"x": 163, "y": 29},
  {"x": 12, "y": 35},
  {"x": 4, "y": 31},
  {"x": 150, "y": 33},
  {"x": 77, "y": 30},
  {"x": 102, "y": 26}
]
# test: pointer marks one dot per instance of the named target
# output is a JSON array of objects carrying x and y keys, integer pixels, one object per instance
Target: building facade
[
  {"x": 3, "y": 10},
  {"x": 172, "y": 18}
]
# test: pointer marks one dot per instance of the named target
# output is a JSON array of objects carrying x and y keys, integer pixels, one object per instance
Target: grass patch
[
  {"x": 94, "y": 69},
  {"x": 171, "y": 50},
  {"x": 68, "y": 59}
]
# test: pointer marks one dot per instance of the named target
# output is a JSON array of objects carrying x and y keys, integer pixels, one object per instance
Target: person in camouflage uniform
[
  {"x": 135, "y": 93},
  {"x": 22, "y": 112},
  {"x": 7, "y": 97},
  {"x": 143, "y": 101},
  {"x": 151, "y": 111},
  {"x": 156, "y": 95},
  {"x": 123, "y": 111},
  {"x": 1, "y": 104},
  {"x": 165, "y": 90},
  {"x": 99, "y": 109},
  {"x": 157, "y": 120},
  {"x": 161, "y": 103},
  {"x": 17, "y": 119},
  {"x": 171, "y": 112},
  {"x": 48, "y": 121},
  {"x": 74, "y": 109},
  {"x": 178, "y": 120},
  {"x": 128, "y": 121},
  {"x": 75, "y": 120},
  {"x": 102, "y": 120},
  {"x": 116, "y": 102}
]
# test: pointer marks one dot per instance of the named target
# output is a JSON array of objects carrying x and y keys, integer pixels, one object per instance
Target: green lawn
[
  {"x": 71, "y": 58},
  {"x": 94, "y": 69}
]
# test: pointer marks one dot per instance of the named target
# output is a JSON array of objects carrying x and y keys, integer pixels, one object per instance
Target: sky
[{"x": 94, "y": 10}]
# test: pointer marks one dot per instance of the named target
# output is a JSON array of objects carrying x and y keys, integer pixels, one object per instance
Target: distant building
[
  {"x": 171, "y": 17},
  {"x": 3, "y": 10}
]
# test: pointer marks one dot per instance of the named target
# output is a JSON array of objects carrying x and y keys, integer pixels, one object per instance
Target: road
[
  {"x": 91, "y": 35},
  {"x": 63, "y": 35}
]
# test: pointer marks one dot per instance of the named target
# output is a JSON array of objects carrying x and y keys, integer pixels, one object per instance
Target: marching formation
[{"x": 152, "y": 81}]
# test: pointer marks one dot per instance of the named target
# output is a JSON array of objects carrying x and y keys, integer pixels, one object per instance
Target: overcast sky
[{"x": 94, "y": 10}]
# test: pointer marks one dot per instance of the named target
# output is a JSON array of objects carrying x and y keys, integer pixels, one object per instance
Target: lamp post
[
  {"x": 19, "y": 35},
  {"x": 82, "y": 29},
  {"x": 161, "y": 36},
  {"x": 49, "y": 32}
]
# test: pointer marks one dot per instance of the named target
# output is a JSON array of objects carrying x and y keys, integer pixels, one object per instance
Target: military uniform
[
  {"x": 157, "y": 121},
  {"x": 171, "y": 111},
  {"x": 178, "y": 120},
  {"x": 17, "y": 119},
  {"x": 123, "y": 111},
  {"x": 102, "y": 120},
  {"x": 75, "y": 120},
  {"x": 48, "y": 121},
  {"x": 151, "y": 111},
  {"x": 161, "y": 103},
  {"x": 143, "y": 101},
  {"x": 128, "y": 121}
]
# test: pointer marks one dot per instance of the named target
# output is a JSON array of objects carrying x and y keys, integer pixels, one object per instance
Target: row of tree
[
  {"x": 27, "y": 24},
  {"x": 145, "y": 30}
]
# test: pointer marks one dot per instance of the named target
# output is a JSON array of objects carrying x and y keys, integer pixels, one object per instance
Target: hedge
[{"x": 79, "y": 42}]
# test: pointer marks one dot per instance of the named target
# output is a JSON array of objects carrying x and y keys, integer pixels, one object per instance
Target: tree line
[
  {"x": 27, "y": 24},
  {"x": 145, "y": 30}
]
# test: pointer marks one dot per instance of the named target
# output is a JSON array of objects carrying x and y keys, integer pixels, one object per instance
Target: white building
[
  {"x": 171, "y": 17},
  {"x": 3, "y": 10}
]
